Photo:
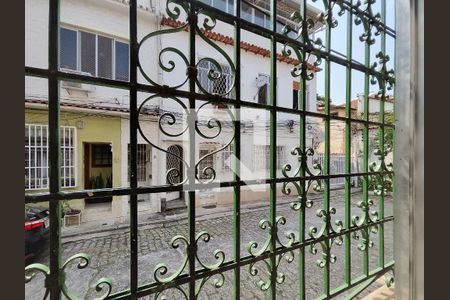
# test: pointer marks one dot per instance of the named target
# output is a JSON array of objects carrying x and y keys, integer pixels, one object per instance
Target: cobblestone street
[{"x": 109, "y": 252}]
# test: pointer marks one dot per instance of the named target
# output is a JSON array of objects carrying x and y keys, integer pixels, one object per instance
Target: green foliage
[{"x": 98, "y": 182}]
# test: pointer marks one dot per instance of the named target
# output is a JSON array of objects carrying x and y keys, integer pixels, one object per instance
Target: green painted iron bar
[
  {"x": 133, "y": 148},
  {"x": 55, "y": 279},
  {"x": 237, "y": 153},
  {"x": 230, "y": 265},
  {"x": 192, "y": 73},
  {"x": 348, "y": 149},
  {"x": 273, "y": 151},
  {"x": 302, "y": 107},
  {"x": 326, "y": 202},
  {"x": 382, "y": 146},
  {"x": 365, "y": 195}
]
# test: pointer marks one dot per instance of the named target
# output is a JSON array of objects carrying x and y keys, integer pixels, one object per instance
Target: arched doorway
[{"x": 173, "y": 162}]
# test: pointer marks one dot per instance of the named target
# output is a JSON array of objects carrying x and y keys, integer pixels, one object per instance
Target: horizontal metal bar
[
  {"x": 102, "y": 193},
  {"x": 166, "y": 91},
  {"x": 378, "y": 272},
  {"x": 230, "y": 265}
]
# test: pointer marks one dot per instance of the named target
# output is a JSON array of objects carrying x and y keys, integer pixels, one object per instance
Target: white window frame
[
  {"x": 226, "y": 154},
  {"x": 64, "y": 130},
  {"x": 209, "y": 148},
  {"x": 226, "y": 72},
  {"x": 113, "y": 56},
  {"x": 227, "y": 5},
  {"x": 144, "y": 156},
  {"x": 261, "y": 156}
]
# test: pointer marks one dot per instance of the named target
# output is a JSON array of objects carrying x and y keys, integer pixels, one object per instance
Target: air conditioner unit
[
  {"x": 262, "y": 80},
  {"x": 77, "y": 86}
]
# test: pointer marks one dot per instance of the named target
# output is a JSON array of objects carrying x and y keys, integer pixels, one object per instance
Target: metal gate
[{"x": 321, "y": 240}]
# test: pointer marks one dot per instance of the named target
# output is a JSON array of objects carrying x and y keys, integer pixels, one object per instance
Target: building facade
[{"x": 95, "y": 123}]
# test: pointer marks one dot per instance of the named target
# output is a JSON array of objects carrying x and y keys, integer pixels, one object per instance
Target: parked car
[{"x": 37, "y": 225}]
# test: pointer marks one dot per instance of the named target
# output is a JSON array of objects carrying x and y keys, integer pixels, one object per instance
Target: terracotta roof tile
[{"x": 244, "y": 45}]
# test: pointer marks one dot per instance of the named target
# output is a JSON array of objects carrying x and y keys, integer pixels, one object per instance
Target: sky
[{"x": 339, "y": 43}]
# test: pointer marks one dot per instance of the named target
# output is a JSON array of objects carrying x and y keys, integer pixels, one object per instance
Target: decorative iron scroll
[
  {"x": 161, "y": 269},
  {"x": 302, "y": 190},
  {"x": 83, "y": 263}
]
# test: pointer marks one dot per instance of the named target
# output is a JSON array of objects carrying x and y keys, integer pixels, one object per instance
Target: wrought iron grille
[{"x": 296, "y": 180}]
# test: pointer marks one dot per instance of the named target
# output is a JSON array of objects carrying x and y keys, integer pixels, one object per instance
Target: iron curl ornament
[
  {"x": 303, "y": 168},
  {"x": 369, "y": 20},
  {"x": 265, "y": 284},
  {"x": 383, "y": 180},
  {"x": 209, "y": 172},
  {"x": 364, "y": 237},
  {"x": 327, "y": 256},
  {"x": 327, "y": 16},
  {"x": 252, "y": 247},
  {"x": 175, "y": 9},
  {"x": 170, "y": 119},
  {"x": 32, "y": 269},
  {"x": 161, "y": 269},
  {"x": 264, "y": 224},
  {"x": 304, "y": 57}
]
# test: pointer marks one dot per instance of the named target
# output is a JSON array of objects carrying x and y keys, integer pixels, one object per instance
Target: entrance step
[{"x": 175, "y": 206}]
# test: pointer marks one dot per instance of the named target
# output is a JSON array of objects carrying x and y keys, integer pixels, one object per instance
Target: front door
[{"x": 97, "y": 168}]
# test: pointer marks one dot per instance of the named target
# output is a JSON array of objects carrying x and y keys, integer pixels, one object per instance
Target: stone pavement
[{"x": 110, "y": 254}]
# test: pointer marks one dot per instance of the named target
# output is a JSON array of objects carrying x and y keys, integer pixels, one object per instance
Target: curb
[{"x": 175, "y": 219}]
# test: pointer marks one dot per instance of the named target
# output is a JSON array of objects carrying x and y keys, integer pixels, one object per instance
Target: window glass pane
[
  {"x": 104, "y": 57},
  {"x": 68, "y": 49},
  {"x": 206, "y": 1},
  {"x": 231, "y": 7},
  {"x": 295, "y": 99},
  {"x": 87, "y": 52},
  {"x": 280, "y": 27},
  {"x": 246, "y": 12},
  {"x": 259, "y": 18},
  {"x": 122, "y": 59},
  {"x": 220, "y": 4}
]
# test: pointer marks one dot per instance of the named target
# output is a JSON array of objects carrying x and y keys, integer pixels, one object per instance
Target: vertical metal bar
[
  {"x": 348, "y": 149},
  {"x": 237, "y": 152},
  {"x": 35, "y": 155},
  {"x": 192, "y": 72},
  {"x": 63, "y": 148},
  {"x": 366, "y": 154},
  {"x": 133, "y": 148},
  {"x": 302, "y": 107},
  {"x": 55, "y": 279},
  {"x": 29, "y": 156},
  {"x": 326, "y": 203},
  {"x": 273, "y": 146},
  {"x": 381, "y": 139}
]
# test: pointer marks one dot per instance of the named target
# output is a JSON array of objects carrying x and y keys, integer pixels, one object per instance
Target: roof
[
  {"x": 101, "y": 106},
  {"x": 228, "y": 40}
]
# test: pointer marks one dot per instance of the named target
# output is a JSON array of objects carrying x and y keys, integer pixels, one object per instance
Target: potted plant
[{"x": 71, "y": 216}]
